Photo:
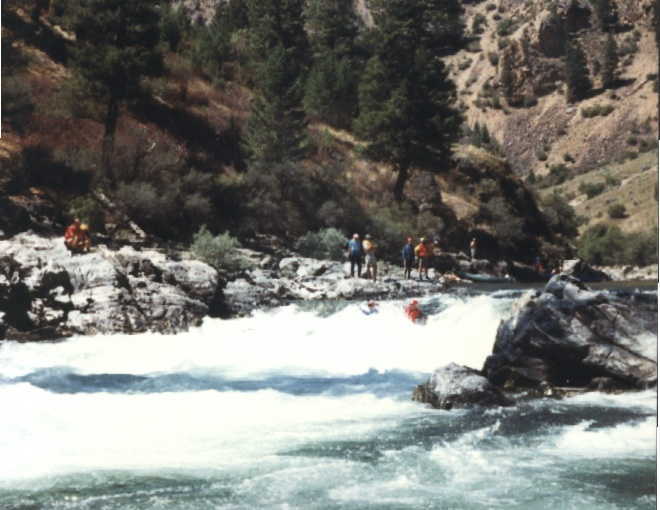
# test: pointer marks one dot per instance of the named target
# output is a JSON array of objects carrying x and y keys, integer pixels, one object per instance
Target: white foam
[
  {"x": 45, "y": 433},
  {"x": 287, "y": 340}
]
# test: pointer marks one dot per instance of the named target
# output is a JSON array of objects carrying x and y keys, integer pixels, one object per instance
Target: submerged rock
[
  {"x": 569, "y": 335},
  {"x": 459, "y": 386}
]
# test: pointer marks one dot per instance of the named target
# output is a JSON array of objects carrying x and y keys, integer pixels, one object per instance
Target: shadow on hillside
[
  {"x": 197, "y": 133},
  {"x": 36, "y": 34}
]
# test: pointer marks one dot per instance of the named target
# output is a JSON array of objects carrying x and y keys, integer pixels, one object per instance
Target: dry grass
[{"x": 638, "y": 179}]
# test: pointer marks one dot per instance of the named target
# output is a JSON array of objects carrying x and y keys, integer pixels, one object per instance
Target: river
[{"x": 306, "y": 407}]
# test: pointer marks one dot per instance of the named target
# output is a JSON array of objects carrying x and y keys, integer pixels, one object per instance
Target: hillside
[{"x": 180, "y": 162}]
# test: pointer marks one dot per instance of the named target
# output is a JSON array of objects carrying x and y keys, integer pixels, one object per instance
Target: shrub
[
  {"x": 606, "y": 245},
  {"x": 493, "y": 57},
  {"x": 591, "y": 189},
  {"x": 506, "y": 26},
  {"x": 595, "y": 110},
  {"x": 325, "y": 244},
  {"x": 602, "y": 245},
  {"x": 617, "y": 211},
  {"x": 218, "y": 251},
  {"x": 541, "y": 155},
  {"x": 88, "y": 210},
  {"x": 612, "y": 182}
]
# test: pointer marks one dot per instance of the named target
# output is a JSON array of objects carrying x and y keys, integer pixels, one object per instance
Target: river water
[{"x": 306, "y": 407}]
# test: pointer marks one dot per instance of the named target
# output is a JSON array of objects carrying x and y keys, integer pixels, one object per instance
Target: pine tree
[
  {"x": 406, "y": 97},
  {"x": 117, "y": 46},
  {"x": 276, "y": 129},
  {"x": 610, "y": 62},
  {"x": 578, "y": 83},
  {"x": 331, "y": 89}
]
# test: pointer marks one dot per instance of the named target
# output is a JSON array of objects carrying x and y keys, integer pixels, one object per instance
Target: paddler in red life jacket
[{"x": 413, "y": 311}]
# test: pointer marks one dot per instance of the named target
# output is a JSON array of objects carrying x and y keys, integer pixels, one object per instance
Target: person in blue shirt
[
  {"x": 408, "y": 256},
  {"x": 354, "y": 247}
]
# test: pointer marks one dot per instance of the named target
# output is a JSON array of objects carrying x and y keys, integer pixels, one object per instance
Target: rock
[
  {"x": 567, "y": 335},
  {"x": 46, "y": 293},
  {"x": 458, "y": 386},
  {"x": 579, "y": 269}
]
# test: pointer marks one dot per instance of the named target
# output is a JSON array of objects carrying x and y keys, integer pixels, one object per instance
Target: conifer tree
[
  {"x": 331, "y": 88},
  {"x": 276, "y": 129},
  {"x": 610, "y": 62},
  {"x": 406, "y": 98},
  {"x": 578, "y": 82},
  {"x": 117, "y": 46}
]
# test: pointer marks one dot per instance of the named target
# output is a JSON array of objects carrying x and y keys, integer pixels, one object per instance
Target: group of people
[
  {"x": 76, "y": 237},
  {"x": 362, "y": 250}
]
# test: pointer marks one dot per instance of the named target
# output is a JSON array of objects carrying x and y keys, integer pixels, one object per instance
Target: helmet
[{"x": 84, "y": 226}]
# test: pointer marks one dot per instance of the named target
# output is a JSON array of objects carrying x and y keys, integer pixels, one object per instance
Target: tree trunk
[
  {"x": 401, "y": 179},
  {"x": 112, "y": 115}
]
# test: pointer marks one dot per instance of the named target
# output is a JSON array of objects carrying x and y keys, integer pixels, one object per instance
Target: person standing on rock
[
  {"x": 408, "y": 257},
  {"x": 473, "y": 248},
  {"x": 369, "y": 249},
  {"x": 423, "y": 252},
  {"x": 354, "y": 247}
]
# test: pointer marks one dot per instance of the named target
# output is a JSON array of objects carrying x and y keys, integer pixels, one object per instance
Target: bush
[
  {"x": 595, "y": 110},
  {"x": 218, "y": 251},
  {"x": 325, "y": 244},
  {"x": 591, "y": 189},
  {"x": 88, "y": 210},
  {"x": 617, "y": 211},
  {"x": 506, "y": 26},
  {"x": 607, "y": 245}
]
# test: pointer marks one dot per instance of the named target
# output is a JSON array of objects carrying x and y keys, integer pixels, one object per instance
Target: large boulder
[
  {"x": 570, "y": 336},
  {"x": 46, "y": 293},
  {"x": 458, "y": 386}
]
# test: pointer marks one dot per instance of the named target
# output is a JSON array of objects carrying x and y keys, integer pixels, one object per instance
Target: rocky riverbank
[{"x": 46, "y": 293}]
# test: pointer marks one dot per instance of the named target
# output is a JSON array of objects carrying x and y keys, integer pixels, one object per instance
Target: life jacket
[
  {"x": 421, "y": 250},
  {"x": 413, "y": 312},
  {"x": 354, "y": 248},
  {"x": 71, "y": 232}
]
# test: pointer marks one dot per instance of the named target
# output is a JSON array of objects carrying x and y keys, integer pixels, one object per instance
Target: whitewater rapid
[{"x": 302, "y": 407}]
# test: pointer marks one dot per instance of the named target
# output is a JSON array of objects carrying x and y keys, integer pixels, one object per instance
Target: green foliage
[
  {"x": 173, "y": 25},
  {"x": 406, "y": 97},
  {"x": 507, "y": 225},
  {"x": 596, "y": 110},
  {"x": 279, "y": 54},
  {"x": 617, "y": 211},
  {"x": 116, "y": 47},
  {"x": 88, "y": 210},
  {"x": 331, "y": 88},
  {"x": 578, "y": 82},
  {"x": 592, "y": 189},
  {"x": 610, "y": 62},
  {"x": 479, "y": 136},
  {"x": 325, "y": 244},
  {"x": 477, "y": 23},
  {"x": 219, "y": 251},
  {"x": 557, "y": 175},
  {"x": 506, "y": 27},
  {"x": 607, "y": 245},
  {"x": 560, "y": 215}
]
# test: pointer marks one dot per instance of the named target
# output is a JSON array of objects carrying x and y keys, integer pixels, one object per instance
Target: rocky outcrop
[
  {"x": 276, "y": 282},
  {"x": 47, "y": 293},
  {"x": 569, "y": 335},
  {"x": 455, "y": 386}
]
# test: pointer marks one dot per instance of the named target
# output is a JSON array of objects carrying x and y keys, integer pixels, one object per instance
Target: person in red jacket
[
  {"x": 76, "y": 237},
  {"x": 413, "y": 311}
]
